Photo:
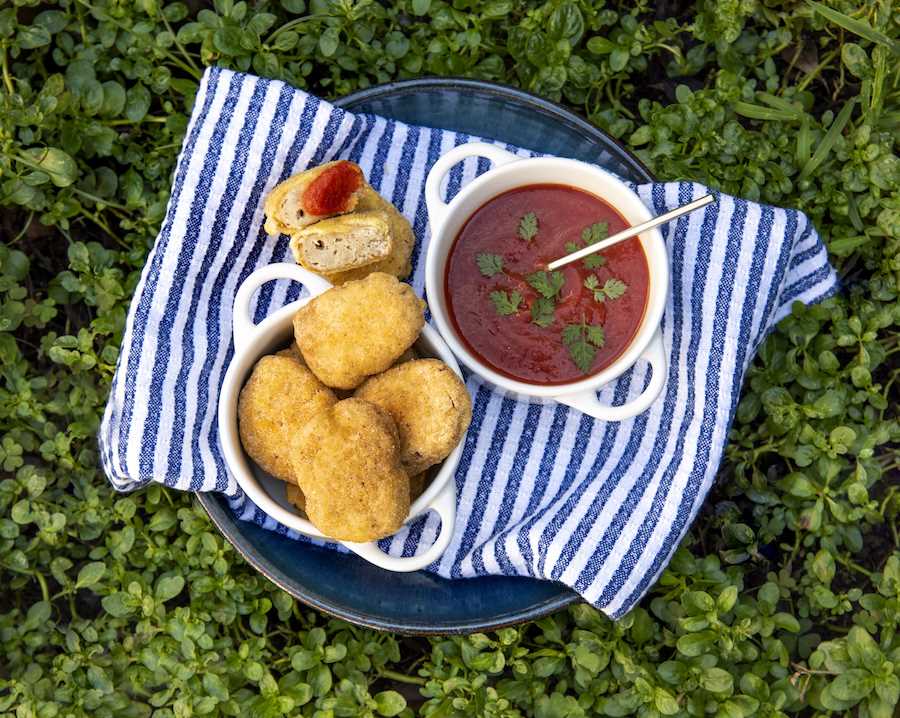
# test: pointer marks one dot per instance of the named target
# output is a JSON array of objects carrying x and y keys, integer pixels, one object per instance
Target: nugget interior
[
  {"x": 345, "y": 242},
  {"x": 312, "y": 195},
  {"x": 398, "y": 262}
]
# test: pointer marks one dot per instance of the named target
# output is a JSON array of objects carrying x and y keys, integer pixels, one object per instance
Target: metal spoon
[{"x": 631, "y": 232}]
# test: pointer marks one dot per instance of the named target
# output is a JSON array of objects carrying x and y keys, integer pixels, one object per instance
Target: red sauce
[
  {"x": 513, "y": 344},
  {"x": 330, "y": 192}
]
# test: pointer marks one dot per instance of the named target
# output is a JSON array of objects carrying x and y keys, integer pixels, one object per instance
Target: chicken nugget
[
  {"x": 342, "y": 243},
  {"x": 430, "y": 406},
  {"x": 317, "y": 193},
  {"x": 295, "y": 496},
  {"x": 350, "y": 332},
  {"x": 278, "y": 399},
  {"x": 403, "y": 240},
  {"x": 347, "y": 463}
]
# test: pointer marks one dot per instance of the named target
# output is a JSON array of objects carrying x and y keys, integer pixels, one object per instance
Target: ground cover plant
[{"x": 785, "y": 598}]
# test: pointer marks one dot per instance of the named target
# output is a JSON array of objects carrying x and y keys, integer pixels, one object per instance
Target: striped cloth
[{"x": 543, "y": 490}]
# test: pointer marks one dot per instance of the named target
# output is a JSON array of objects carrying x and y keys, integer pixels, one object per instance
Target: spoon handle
[{"x": 632, "y": 232}]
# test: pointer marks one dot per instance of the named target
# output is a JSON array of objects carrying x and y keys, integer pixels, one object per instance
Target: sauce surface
[{"x": 491, "y": 294}]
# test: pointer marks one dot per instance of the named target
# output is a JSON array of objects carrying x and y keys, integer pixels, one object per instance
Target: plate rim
[{"x": 214, "y": 505}]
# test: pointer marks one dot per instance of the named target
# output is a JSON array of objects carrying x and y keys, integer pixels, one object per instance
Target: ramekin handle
[
  {"x": 588, "y": 402},
  {"x": 445, "y": 505},
  {"x": 437, "y": 208},
  {"x": 242, "y": 318}
]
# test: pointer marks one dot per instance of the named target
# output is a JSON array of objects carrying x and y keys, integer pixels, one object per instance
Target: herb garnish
[
  {"x": 547, "y": 284},
  {"x": 612, "y": 289},
  {"x": 506, "y": 303},
  {"x": 582, "y": 340},
  {"x": 595, "y": 233},
  {"x": 591, "y": 235},
  {"x": 528, "y": 226},
  {"x": 542, "y": 310},
  {"x": 489, "y": 264}
]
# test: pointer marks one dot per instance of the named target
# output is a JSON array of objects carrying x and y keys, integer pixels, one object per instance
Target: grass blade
[
  {"x": 857, "y": 27},
  {"x": 758, "y": 112},
  {"x": 824, "y": 148},
  {"x": 804, "y": 143}
]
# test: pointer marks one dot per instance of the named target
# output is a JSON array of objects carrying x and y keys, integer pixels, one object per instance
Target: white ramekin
[
  {"x": 252, "y": 341},
  {"x": 510, "y": 171}
]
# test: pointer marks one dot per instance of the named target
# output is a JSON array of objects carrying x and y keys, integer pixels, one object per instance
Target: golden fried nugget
[
  {"x": 397, "y": 262},
  {"x": 351, "y": 332},
  {"x": 278, "y": 399},
  {"x": 430, "y": 406},
  {"x": 295, "y": 496},
  {"x": 314, "y": 194},
  {"x": 347, "y": 463}
]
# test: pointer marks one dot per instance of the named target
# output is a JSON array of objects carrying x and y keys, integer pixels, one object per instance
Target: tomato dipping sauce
[{"x": 536, "y": 326}]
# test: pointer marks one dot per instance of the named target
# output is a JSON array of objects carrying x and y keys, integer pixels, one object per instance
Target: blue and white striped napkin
[{"x": 543, "y": 490}]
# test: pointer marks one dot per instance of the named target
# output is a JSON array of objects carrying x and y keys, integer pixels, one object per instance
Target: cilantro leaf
[
  {"x": 612, "y": 289},
  {"x": 596, "y": 336},
  {"x": 590, "y": 235},
  {"x": 506, "y": 304},
  {"x": 528, "y": 226},
  {"x": 489, "y": 264},
  {"x": 571, "y": 333},
  {"x": 582, "y": 340},
  {"x": 542, "y": 312},
  {"x": 583, "y": 354},
  {"x": 547, "y": 284},
  {"x": 596, "y": 232}
]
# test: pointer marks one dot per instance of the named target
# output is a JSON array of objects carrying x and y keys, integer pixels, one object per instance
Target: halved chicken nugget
[
  {"x": 312, "y": 195},
  {"x": 351, "y": 332},
  {"x": 278, "y": 399},
  {"x": 347, "y": 463},
  {"x": 403, "y": 240},
  {"x": 430, "y": 406},
  {"x": 345, "y": 242}
]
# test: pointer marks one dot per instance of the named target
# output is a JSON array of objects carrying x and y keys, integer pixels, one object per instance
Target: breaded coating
[
  {"x": 312, "y": 195},
  {"x": 347, "y": 463},
  {"x": 351, "y": 332},
  {"x": 278, "y": 399},
  {"x": 349, "y": 241},
  {"x": 417, "y": 485},
  {"x": 292, "y": 351},
  {"x": 430, "y": 406},
  {"x": 295, "y": 496},
  {"x": 398, "y": 261}
]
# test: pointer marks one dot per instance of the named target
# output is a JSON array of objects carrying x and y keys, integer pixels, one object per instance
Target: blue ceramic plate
[{"x": 420, "y": 603}]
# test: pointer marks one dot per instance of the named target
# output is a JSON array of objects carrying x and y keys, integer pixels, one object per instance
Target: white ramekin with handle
[
  {"x": 252, "y": 341},
  {"x": 509, "y": 172}
]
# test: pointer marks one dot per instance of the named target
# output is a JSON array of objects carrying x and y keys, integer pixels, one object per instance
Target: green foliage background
[{"x": 785, "y": 599}]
